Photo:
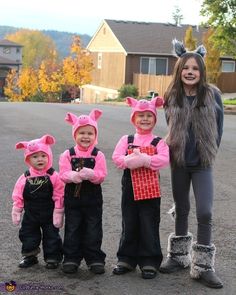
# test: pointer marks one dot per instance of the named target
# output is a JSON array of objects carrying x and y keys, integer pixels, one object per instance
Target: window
[
  {"x": 17, "y": 50},
  {"x": 228, "y": 66},
  {"x": 153, "y": 66},
  {"x": 99, "y": 60},
  {"x": 6, "y": 50}
]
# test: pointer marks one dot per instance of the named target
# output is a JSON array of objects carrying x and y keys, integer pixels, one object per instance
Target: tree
[
  {"x": 21, "y": 87},
  {"x": 221, "y": 16},
  {"x": 212, "y": 59},
  {"x": 36, "y": 47},
  {"x": 189, "y": 40},
  {"x": 177, "y": 16},
  {"x": 11, "y": 88},
  {"x": 51, "y": 80},
  {"x": 77, "y": 68},
  {"x": 28, "y": 83}
]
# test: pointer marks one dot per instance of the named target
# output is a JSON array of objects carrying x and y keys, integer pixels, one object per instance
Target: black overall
[
  {"x": 139, "y": 243},
  {"x": 37, "y": 223},
  {"x": 83, "y": 217}
]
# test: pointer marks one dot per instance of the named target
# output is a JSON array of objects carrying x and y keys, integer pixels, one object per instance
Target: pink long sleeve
[
  {"x": 58, "y": 190},
  {"x": 158, "y": 161},
  {"x": 17, "y": 194},
  {"x": 100, "y": 169}
]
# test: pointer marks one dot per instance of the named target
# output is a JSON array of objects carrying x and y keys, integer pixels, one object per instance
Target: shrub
[{"x": 128, "y": 90}]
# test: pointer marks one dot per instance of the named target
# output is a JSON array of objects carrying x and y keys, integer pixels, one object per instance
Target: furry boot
[
  {"x": 178, "y": 253},
  {"x": 202, "y": 266}
]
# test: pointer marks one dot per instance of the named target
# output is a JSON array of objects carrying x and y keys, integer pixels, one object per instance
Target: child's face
[
  {"x": 38, "y": 161},
  {"x": 85, "y": 136},
  {"x": 190, "y": 75},
  {"x": 144, "y": 120}
]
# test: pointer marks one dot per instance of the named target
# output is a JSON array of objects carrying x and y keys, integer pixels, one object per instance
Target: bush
[{"x": 128, "y": 90}]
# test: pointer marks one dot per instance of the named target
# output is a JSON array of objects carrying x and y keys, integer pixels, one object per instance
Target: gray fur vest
[{"x": 203, "y": 123}]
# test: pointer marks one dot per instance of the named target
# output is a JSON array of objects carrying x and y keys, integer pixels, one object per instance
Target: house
[
  {"x": 10, "y": 58},
  {"x": 123, "y": 49}
]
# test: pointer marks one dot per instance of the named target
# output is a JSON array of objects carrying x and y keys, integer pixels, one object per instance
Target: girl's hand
[
  {"x": 86, "y": 173},
  {"x": 16, "y": 215},
  {"x": 137, "y": 160}
]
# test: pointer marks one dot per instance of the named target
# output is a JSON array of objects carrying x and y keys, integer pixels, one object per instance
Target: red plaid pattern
[{"x": 144, "y": 180}]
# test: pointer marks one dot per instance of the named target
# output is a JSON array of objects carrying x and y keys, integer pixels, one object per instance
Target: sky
[{"x": 85, "y": 17}]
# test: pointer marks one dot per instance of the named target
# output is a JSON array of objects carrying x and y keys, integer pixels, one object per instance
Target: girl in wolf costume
[{"x": 194, "y": 114}]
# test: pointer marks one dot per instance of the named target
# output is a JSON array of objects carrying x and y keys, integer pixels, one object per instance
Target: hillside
[{"x": 62, "y": 39}]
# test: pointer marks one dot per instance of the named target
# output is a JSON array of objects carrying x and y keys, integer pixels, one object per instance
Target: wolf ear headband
[{"x": 180, "y": 50}]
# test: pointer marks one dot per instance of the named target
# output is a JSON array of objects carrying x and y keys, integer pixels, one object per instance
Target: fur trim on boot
[
  {"x": 202, "y": 266},
  {"x": 179, "y": 248}
]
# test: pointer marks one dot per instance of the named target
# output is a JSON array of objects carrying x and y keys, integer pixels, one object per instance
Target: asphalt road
[{"x": 25, "y": 121}]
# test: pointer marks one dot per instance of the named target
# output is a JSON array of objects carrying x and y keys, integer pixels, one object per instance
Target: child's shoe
[
  {"x": 51, "y": 264},
  {"x": 97, "y": 268},
  {"x": 70, "y": 267},
  {"x": 148, "y": 272},
  {"x": 28, "y": 261}
]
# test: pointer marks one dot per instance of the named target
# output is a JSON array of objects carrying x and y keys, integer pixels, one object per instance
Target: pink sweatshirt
[
  {"x": 58, "y": 188},
  {"x": 158, "y": 161},
  {"x": 100, "y": 169}
]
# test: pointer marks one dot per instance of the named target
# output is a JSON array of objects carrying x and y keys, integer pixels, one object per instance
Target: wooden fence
[{"x": 159, "y": 84}]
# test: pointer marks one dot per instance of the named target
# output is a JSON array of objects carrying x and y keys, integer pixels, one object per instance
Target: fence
[{"x": 145, "y": 83}]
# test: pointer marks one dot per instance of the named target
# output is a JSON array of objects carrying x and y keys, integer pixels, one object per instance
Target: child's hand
[
  {"x": 137, "y": 160},
  {"x": 86, "y": 173},
  {"x": 74, "y": 177},
  {"x": 16, "y": 215},
  {"x": 58, "y": 217}
]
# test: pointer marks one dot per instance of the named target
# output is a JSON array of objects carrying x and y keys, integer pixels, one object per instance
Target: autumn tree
[
  {"x": 36, "y": 47},
  {"x": 212, "y": 59},
  {"x": 11, "y": 88},
  {"x": 51, "y": 81},
  {"x": 21, "y": 87},
  {"x": 77, "y": 68},
  {"x": 221, "y": 16},
  {"x": 189, "y": 40}
]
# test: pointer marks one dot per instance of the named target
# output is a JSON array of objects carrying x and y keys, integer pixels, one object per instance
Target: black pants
[
  {"x": 37, "y": 227},
  {"x": 83, "y": 235},
  {"x": 140, "y": 242},
  {"x": 202, "y": 183}
]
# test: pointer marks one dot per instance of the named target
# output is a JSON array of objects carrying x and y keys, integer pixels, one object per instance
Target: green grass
[{"x": 230, "y": 101}]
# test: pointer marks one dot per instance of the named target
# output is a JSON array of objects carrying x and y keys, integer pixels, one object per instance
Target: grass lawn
[{"x": 229, "y": 101}]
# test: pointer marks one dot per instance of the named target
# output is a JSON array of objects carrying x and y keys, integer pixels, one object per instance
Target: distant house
[
  {"x": 10, "y": 58},
  {"x": 122, "y": 48}
]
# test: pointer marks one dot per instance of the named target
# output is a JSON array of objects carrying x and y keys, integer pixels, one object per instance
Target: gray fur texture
[
  {"x": 203, "y": 120},
  {"x": 203, "y": 259},
  {"x": 179, "y": 248}
]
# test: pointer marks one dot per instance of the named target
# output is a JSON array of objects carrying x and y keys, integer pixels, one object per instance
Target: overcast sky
[{"x": 84, "y": 17}]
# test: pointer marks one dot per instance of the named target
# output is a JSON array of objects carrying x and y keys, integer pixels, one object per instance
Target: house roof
[
  {"x": 5, "y": 42},
  {"x": 150, "y": 38}
]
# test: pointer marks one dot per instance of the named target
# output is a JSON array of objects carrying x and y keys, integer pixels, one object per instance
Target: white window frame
[
  {"x": 224, "y": 62},
  {"x": 152, "y": 64}
]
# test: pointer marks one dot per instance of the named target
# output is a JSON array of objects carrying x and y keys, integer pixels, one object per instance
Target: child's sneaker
[
  {"x": 70, "y": 267},
  {"x": 97, "y": 269},
  {"x": 52, "y": 264}
]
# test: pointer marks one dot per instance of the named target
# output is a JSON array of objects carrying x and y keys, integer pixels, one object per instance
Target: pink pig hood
[
  {"x": 38, "y": 145},
  {"x": 84, "y": 120},
  {"x": 143, "y": 105}
]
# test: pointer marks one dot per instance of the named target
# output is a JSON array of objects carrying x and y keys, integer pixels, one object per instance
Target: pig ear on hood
[
  {"x": 47, "y": 139},
  {"x": 131, "y": 101},
  {"x": 21, "y": 145},
  {"x": 157, "y": 101},
  {"x": 95, "y": 114},
  {"x": 71, "y": 118}
]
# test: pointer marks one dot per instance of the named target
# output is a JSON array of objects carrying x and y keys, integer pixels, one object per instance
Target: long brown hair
[{"x": 176, "y": 88}]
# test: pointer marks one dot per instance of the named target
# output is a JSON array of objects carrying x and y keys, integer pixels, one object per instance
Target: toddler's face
[
  {"x": 144, "y": 120},
  {"x": 38, "y": 161},
  {"x": 85, "y": 136}
]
